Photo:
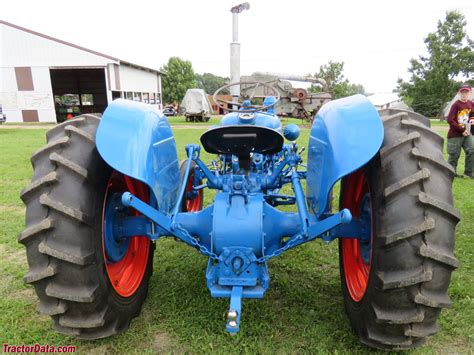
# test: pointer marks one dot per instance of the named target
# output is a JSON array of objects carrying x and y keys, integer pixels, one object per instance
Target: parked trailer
[{"x": 197, "y": 107}]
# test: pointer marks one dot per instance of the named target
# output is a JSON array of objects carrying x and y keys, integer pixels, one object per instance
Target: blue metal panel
[
  {"x": 346, "y": 134},
  {"x": 136, "y": 140},
  {"x": 278, "y": 224},
  {"x": 198, "y": 224},
  {"x": 238, "y": 222}
]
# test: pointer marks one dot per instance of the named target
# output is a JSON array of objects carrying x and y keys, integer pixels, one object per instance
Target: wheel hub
[
  {"x": 115, "y": 247},
  {"x": 357, "y": 253},
  {"x": 126, "y": 259}
]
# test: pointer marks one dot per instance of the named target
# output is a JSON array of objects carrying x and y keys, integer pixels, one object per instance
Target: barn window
[
  {"x": 24, "y": 79},
  {"x": 87, "y": 99}
]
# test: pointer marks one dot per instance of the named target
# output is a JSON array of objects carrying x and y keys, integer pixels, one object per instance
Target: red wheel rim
[
  {"x": 194, "y": 204},
  {"x": 356, "y": 270},
  {"x": 127, "y": 274}
]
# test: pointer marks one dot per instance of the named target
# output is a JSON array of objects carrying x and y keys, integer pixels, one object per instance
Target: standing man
[{"x": 458, "y": 135}]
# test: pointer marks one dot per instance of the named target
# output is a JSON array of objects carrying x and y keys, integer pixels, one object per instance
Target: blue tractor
[{"x": 105, "y": 189}]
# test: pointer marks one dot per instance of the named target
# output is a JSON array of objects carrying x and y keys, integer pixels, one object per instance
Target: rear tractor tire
[
  {"x": 396, "y": 284},
  {"x": 191, "y": 202},
  {"x": 87, "y": 294}
]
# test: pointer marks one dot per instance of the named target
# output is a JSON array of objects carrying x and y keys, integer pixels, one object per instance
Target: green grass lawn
[
  {"x": 214, "y": 120},
  {"x": 302, "y": 311}
]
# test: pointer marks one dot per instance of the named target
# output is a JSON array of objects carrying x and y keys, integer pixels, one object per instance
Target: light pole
[{"x": 235, "y": 50}]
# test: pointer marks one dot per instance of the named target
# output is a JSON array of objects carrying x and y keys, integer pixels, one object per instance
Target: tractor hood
[{"x": 262, "y": 119}]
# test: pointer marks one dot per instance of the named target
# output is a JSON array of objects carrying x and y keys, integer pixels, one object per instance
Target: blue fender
[
  {"x": 135, "y": 139},
  {"x": 345, "y": 135}
]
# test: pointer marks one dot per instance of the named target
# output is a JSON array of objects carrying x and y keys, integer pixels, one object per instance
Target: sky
[{"x": 375, "y": 39}]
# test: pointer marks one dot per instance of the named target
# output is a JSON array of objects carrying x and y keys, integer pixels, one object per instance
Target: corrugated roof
[{"x": 383, "y": 99}]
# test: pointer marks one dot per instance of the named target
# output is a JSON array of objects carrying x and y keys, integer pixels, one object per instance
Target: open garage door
[{"x": 78, "y": 91}]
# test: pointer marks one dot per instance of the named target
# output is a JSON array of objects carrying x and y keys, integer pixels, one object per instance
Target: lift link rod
[
  {"x": 164, "y": 222},
  {"x": 300, "y": 201}
]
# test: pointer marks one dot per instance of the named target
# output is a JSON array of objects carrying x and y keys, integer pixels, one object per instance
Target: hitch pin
[{"x": 233, "y": 315}]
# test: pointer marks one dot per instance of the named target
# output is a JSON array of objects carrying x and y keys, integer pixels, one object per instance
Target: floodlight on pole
[{"x": 235, "y": 50}]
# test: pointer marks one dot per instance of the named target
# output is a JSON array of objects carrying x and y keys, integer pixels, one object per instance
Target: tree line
[
  {"x": 180, "y": 76},
  {"x": 434, "y": 77}
]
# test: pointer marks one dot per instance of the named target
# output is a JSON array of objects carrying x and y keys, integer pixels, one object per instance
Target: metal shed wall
[{"x": 23, "y": 50}]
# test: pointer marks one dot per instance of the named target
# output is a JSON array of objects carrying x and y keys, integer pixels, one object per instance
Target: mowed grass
[
  {"x": 214, "y": 120},
  {"x": 301, "y": 313}
]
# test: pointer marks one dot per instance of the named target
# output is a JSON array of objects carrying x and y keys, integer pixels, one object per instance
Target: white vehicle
[
  {"x": 197, "y": 107},
  {"x": 3, "y": 117}
]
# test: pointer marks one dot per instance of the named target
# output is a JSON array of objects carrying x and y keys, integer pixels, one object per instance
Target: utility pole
[{"x": 235, "y": 50}]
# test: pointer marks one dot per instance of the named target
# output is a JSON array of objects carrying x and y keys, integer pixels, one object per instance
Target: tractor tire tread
[
  {"x": 58, "y": 307},
  {"x": 398, "y": 316},
  {"x": 394, "y": 279},
  {"x": 415, "y": 125},
  {"x": 409, "y": 279},
  {"x": 408, "y": 232},
  {"x": 44, "y": 226},
  {"x": 440, "y": 256},
  {"x": 51, "y": 146},
  {"x": 384, "y": 151},
  {"x": 442, "y": 206},
  {"x": 48, "y": 179},
  {"x": 99, "y": 332},
  {"x": 80, "y": 132},
  {"x": 69, "y": 164},
  {"x": 441, "y": 163},
  {"x": 377, "y": 339},
  {"x": 438, "y": 301},
  {"x": 65, "y": 260},
  {"x": 72, "y": 255},
  {"x": 34, "y": 275},
  {"x": 409, "y": 180},
  {"x": 422, "y": 332},
  {"x": 75, "y": 214},
  {"x": 90, "y": 321},
  {"x": 76, "y": 293},
  {"x": 66, "y": 330}
]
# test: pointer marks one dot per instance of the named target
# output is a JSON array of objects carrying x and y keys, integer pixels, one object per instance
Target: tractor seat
[{"x": 241, "y": 140}]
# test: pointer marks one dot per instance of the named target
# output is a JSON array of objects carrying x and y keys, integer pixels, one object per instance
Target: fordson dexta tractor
[{"x": 104, "y": 190}]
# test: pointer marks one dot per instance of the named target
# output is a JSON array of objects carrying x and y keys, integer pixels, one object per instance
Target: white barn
[{"x": 44, "y": 79}]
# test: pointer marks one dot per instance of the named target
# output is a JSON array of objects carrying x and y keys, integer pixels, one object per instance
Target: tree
[
  {"x": 210, "y": 82},
  {"x": 338, "y": 85},
  {"x": 179, "y": 78},
  {"x": 434, "y": 77}
]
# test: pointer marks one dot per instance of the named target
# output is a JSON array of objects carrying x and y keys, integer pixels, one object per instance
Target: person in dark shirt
[{"x": 458, "y": 135}]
